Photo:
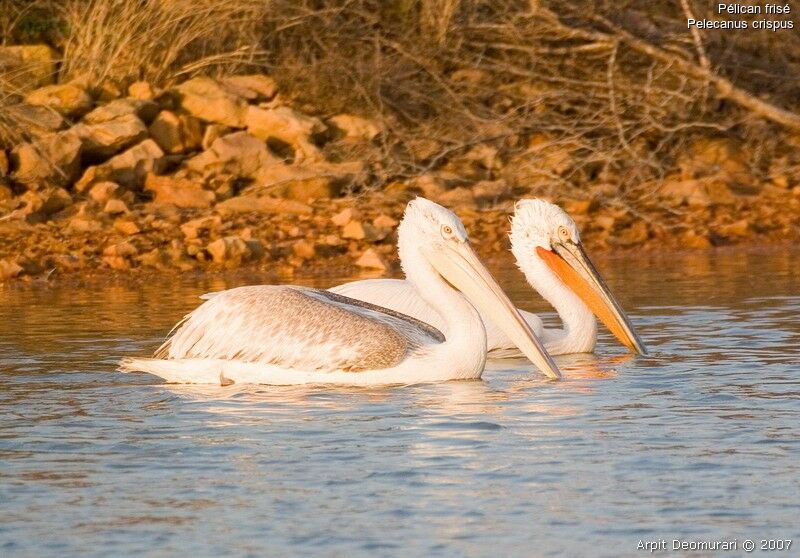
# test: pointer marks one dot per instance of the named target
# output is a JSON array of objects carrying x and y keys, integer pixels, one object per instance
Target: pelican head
[
  {"x": 541, "y": 230},
  {"x": 435, "y": 237}
]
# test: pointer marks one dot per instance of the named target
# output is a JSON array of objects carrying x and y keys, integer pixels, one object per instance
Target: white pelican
[
  {"x": 548, "y": 250},
  {"x": 296, "y": 335}
]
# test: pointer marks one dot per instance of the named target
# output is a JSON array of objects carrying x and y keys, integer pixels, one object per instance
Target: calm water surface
[{"x": 698, "y": 441}]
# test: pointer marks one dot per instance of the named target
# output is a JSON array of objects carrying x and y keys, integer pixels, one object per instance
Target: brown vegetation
[{"x": 650, "y": 132}]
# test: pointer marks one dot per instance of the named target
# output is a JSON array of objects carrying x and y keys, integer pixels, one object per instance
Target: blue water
[{"x": 698, "y": 441}]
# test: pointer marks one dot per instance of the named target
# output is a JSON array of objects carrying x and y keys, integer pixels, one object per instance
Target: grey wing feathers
[
  {"x": 297, "y": 328},
  {"x": 413, "y": 322}
]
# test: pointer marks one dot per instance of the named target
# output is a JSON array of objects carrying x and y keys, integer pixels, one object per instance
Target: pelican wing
[
  {"x": 396, "y": 294},
  {"x": 297, "y": 328},
  {"x": 401, "y": 296}
]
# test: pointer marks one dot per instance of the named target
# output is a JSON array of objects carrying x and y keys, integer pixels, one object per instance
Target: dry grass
[
  {"x": 505, "y": 73},
  {"x": 157, "y": 40},
  {"x": 121, "y": 41}
]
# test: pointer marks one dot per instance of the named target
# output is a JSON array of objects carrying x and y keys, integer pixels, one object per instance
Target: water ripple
[{"x": 697, "y": 440}]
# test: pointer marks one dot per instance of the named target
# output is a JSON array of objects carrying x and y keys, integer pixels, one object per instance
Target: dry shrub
[
  {"x": 157, "y": 40},
  {"x": 125, "y": 40},
  {"x": 29, "y": 21},
  {"x": 10, "y": 127},
  {"x": 511, "y": 73}
]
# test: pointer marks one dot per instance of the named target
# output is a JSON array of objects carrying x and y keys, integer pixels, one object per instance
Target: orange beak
[{"x": 572, "y": 265}]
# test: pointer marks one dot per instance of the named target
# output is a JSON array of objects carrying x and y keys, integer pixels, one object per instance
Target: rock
[
  {"x": 371, "y": 259},
  {"x": 637, "y": 233},
  {"x": 579, "y": 207},
  {"x": 263, "y": 204},
  {"x": 719, "y": 193},
  {"x": 83, "y": 225},
  {"x": 180, "y": 192},
  {"x": 130, "y": 167},
  {"x": 116, "y": 262},
  {"x": 298, "y": 183},
  {"x": 736, "y": 229},
  {"x": 710, "y": 156},
  {"x": 331, "y": 240},
  {"x": 457, "y": 197},
  {"x": 491, "y": 190},
  {"x": 27, "y": 67},
  {"x": 253, "y": 87},
  {"x": 106, "y": 92},
  {"x": 287, "y": 126},
  {"x": 691, "y": 192},
  {"x": 312, "y": 188},
  {"x": 238, "y": 154},
  {"x": 194, "y": 228},
  {"x": 429, "y": 185},
  {"x": 38, "y": 121},
  {"x": 551, "y": 155},
  {"x": 164, "y": 216},
  {"x": 146, "y": 111},
  {"x": 67, "y": 262},
  {"x": 141, "y": 90},
  {"x": 101, "y": 192},
  {"x": 208, "y": 100},
  {"x": 354, "y": 230},
  {"x": 54, "y": 159},
  {"x": 605, "y": 222},
  {"x": 303, "y": 249},
  {"x": 781, "y": 181},
  {"x": 105, "y": 139},
  {"x": 176, "y": 134},
  {"x": 122, "y": 249},
  {"x": 9, "y": 270},
  {"x": 224, "y": 186},
  {"x": 229, "y": 250},
  {"x": 126, "y": 227},
  {"x": 701, "y": 192},
  {"x": 355, "y": 128},
  {"x": 88, "y": 179},
  {"x": 153, "y": 258},
  {"x": 115, "y": 207},
  {"x": 255, "y": 247},
  {"x": 32, "y": 202},
  {"x": 374, "y": 234},
  {"x": 54, "y": 200},
  {"x": 483, "y": 156},
  {"x": 213, "y": 133},
  {"x": 306, "y": 182},
  {"x": 692, "y": 239},
  {"x": 384, "y": 221},
  {"x": 343, "y": 217},
  {"x": 67, "y": 99}
]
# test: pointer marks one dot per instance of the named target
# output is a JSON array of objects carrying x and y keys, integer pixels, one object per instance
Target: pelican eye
[
  {"x": 563, "y": 233},
  {"x": 447, "y": 230}
]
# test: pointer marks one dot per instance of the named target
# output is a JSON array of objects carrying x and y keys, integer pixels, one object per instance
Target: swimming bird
[
  {"x": 296, "y": 335},
  {"x": 547, "y": 246}
]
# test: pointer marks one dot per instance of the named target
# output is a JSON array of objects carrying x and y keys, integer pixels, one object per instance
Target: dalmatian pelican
[
  {"x": 547, "y": 246},
  {"x": 296, "y": 335}
]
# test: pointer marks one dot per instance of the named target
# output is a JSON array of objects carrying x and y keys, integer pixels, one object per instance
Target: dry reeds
[{"x": 157, "y": 40}]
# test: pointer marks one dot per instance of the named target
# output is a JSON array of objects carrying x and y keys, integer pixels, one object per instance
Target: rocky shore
[{"x": 221, "y": 174}]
